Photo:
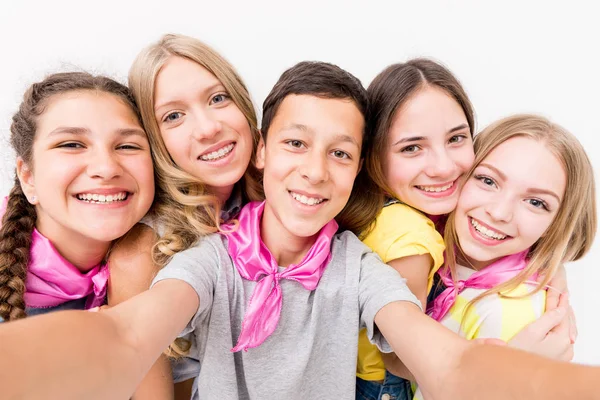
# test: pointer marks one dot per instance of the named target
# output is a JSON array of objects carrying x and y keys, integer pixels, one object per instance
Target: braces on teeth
[{"x": 215, "y": 155}]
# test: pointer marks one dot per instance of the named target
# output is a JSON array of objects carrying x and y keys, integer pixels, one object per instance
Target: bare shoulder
[{"x": 131, "y": 265}]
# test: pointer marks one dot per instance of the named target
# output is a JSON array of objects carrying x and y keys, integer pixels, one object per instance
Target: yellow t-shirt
[{"x": 399, "y": 231}]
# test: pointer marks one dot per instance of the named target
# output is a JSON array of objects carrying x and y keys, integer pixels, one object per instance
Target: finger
[
  {"x": 552, "y": 299},
  {"x": 573, "y": 325},
  {"x": 547, "y": 322}
]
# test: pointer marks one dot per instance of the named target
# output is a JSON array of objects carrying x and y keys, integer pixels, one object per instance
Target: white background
[{"x": 511, "y": 56}]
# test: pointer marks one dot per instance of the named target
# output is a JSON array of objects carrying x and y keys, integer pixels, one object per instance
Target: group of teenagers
[{"x": 363, "y": 243}]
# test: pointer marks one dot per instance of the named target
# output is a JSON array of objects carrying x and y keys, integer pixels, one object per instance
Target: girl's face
[
  {"x": 310, "y": 161},
  {"x": 205, "y": 133},
  {"x": 92, "y": 171},
  {"x": 429, "y": 149},
  {"x": 509, "y": 201}
]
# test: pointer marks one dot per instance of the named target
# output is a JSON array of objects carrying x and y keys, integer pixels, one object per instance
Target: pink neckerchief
[
  {"x": 254, "y": 262},
  {"x": 494, "y": 274},
  {"x": 52, "y": 280}
]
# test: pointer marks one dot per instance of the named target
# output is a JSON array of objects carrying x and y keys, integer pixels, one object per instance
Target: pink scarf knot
[
  {"x": 255, "y": 262},
  {"x": 493, "y": 275},
  {"x": 52, "y": 280}
]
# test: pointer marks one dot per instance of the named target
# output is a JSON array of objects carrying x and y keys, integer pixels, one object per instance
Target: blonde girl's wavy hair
[
  {"x": 184, "y": 207},
  {"x": 571, "y": 233}
]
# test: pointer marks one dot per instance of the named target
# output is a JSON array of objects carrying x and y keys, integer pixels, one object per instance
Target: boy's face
[{"x": 310, "y": 161}]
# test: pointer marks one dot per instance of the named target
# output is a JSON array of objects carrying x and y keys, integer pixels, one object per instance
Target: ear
[
  {"x": 260, "y": 154},
  {"x": 25, "y": 176},
  {"x": 360, "y": 165}
]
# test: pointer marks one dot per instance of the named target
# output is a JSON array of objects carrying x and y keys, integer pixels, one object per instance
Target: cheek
[
  {"x": 400, "y": 172},
  {"x": 464, "y": 159}
]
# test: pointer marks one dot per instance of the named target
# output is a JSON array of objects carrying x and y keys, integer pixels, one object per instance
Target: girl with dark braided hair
[{"x": 84, "y": 177}]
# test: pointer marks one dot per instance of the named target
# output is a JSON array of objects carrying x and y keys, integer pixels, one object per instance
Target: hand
[
  {"x": 557, "y": 287},
  {"x": 549, "y": 335}
]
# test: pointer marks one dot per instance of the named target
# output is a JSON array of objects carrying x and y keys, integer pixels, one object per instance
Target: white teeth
[
  {"x": 309, "y": 201},
  {"x": 218, "y": 154},
  {"x": 436, "y": 188},
  {"x": 485, "y": 231},
  {"x": 102, "y": 199}
]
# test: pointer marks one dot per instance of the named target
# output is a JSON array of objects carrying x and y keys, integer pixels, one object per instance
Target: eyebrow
[
  {"x": 417, "y": 138},
  {"x": 342, "y": 137},
  {"x": 76, "y": 130},
  {"x": 530, "y": 190},
  {"x": 170, "y": 103}
]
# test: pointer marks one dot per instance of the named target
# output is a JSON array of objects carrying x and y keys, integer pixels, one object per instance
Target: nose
[
  {"x": 207, "y": 126},
  {"x": 440, "y": 165},
  {"x": 500, "y": 210},
  {"x": 315, "y": 169},
  {"x": 104, "y": 164}
]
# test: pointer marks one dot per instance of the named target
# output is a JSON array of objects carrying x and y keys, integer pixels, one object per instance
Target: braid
[{"x": 15, "y": 241}]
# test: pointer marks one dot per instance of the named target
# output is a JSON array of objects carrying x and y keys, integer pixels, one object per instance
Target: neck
[
  {"x": 222, "y": 193},
  {"x": 82, "y": 252},
  {"x": 285, "y": 247},
  {"x": 470, "y": 262}
]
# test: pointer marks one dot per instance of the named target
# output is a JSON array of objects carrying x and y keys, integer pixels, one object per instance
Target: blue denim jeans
[{"x": 392, "y": 388}]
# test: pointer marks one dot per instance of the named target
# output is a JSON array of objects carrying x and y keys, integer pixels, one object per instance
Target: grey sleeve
[
  {"x": 378, "y": 286},
  {"x": 198, "y": 267}
]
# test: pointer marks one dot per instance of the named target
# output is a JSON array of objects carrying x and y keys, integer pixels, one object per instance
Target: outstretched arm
[
  {"x": 466, "y": 370},
  {"x": 102, "y": 355},
  {"x": 131, "y": 272}
]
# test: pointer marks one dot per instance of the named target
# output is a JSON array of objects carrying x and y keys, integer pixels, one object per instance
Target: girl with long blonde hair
[
  {"x": 203, "y": 134},
  {"x": 527, "y": 207}
]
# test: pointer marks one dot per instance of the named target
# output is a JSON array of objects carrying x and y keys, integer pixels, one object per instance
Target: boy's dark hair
[
  {"x": 328, "y": 81},
  {"x": 314, "y": 78}
]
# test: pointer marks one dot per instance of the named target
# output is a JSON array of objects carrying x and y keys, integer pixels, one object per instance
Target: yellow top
[
  {"x": 400, "y": 231},
  {"x": 494, "y": 316}
]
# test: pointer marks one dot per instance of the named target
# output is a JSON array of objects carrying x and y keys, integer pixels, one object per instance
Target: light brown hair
[
  {"x": 388, "y": 93},
  {"x": 572, "y": 232},
  {"x": 185, "y": 208}
]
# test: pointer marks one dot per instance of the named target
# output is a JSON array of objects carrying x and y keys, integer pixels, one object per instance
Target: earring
[{"x": 33, "y": 199}]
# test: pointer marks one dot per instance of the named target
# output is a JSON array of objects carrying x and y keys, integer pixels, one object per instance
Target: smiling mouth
[
  {"x": 435, "y": 189},
  {"x": 94, "y": 198},
  {"x": 307, "y": 201},
  {"x": 218, "y": 154},
  {"x": 487, "y": 232}
]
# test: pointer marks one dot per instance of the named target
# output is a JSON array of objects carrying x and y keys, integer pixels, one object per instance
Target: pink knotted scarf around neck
[
  {"x": 493, "y": 275},
  {"x": 52, "y": 280},
  {"x": 255, "y": 262}
]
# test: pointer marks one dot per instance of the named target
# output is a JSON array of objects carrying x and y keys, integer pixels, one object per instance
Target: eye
[
  {"x": 129, "y": 147},
  {"x": 172, "y": 117},
  {"x": 219, "y": 98},
  {"x": 71, "y": 145},
  {"x": 486, "y": 180},
  {"x": 413, "y": 148},
  {"x": 457, "y": 139},
  {"x": 297, "y": 144},
  {"x": 341, "y": 154},
  {"x": 537, "y": 203}
]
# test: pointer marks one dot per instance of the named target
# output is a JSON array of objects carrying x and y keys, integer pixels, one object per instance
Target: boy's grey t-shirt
[{"x": 312, "y": 353}]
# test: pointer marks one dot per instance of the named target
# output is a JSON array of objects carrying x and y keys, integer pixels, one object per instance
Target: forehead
[
  {"x": 529, "y": 163},
  {"x": 84, "y": 108},
  {"x": 180, "y": 75},
  {"x": 322, "y": 116},
  {"x": 427, "y": 112}
]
